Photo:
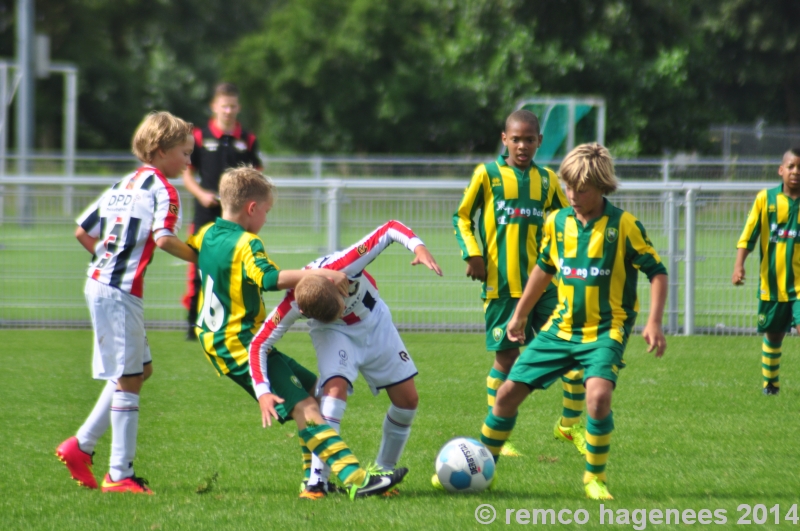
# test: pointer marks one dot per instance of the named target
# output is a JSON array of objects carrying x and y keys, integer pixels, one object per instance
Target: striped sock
[
  {"x": 495, "y": 432},
  {"x": 493, "y": 383},
  {"x": 770, "y": 362},
  {"x": 306, "y": 458},
  {"x": 574, "y": 397},
  {"x": 328, "y": 446},
  {"x": 598, "y": 442}
]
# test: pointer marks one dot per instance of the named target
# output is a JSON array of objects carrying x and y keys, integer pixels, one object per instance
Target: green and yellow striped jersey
[
  {"x": 597, "y": 267},
  {"x": 234, "y": 268},
  {"x": 774, "y": 218},
  {"x": 512, "y": 206}
]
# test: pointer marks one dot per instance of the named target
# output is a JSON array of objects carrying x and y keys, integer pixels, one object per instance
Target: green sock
[
  {"x": 493, "y": 383},
  {"x": 495, "y": 432}
]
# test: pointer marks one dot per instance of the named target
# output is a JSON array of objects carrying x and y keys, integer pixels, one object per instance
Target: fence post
[
  {"x": 673, "y": 238},
  {"x": 70, "y": 121},
  {"x": 334, "y": 192},
  {"x": 689, "y": 261},
  {"x": 316, "y": 194}
]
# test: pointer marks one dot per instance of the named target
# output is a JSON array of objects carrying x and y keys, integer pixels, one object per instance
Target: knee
[
  {"x": 598, "y": 405},
  {"x": 308, "y": 410},
  {"x": 409, "y": 400},
  {"x": 148, "y": 371},
  {"x": 336, "y": 387}
]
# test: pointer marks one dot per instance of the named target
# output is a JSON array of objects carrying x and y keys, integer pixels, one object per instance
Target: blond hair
[
  {"x": 239, "y": 185},
  {"x": 589, "y": 164},
  {"x": 318, "y": 298},
  {"x": 160, "y": 130}
]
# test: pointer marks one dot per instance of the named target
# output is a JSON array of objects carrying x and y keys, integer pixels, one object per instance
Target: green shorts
[
  {"x": 548, "y": 357},
  {"x": 777, "y": 317},
  {"x": 287, "y": 378},
  {"x": 498, "y": 313}
]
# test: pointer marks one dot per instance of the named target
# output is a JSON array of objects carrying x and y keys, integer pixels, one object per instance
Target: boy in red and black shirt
[{"x": 218, "y": 146}]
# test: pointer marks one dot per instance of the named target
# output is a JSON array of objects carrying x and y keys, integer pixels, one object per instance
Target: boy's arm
[
  {"x": 278, "y": 322},
  {"x": 738, "y": 267},
  {"x": 537, "y": 283},
  {"x": 464, "y": 226},
  {"x": 88, "y": 241},
  {"x": 652, "y": 333},
  {"x": 288, "y": 278},
  {"x": 176, "y": 247},
  {"x": 355, "y": 258}
]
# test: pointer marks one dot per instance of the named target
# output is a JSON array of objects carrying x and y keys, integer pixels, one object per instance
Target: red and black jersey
[{"x": 214, "y": 152}]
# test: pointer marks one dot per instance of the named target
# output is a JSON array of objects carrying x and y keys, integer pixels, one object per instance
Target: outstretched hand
[
  {"x": 424, "y": 257},
  {"x": 267, "y": 403}
]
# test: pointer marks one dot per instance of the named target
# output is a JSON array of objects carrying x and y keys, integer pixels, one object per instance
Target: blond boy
[
  {"x": 121, "y": 230},
  {"x": 234, "y": 269},
  {"x": 597, "y": 250}
]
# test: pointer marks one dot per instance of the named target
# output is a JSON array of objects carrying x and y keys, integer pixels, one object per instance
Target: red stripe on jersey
[
  {"x": 251, "y": 139},
  {"x": 351, "y": 318},
  {"x": 264, "y": 333},
  {"x": 360, "y": 250},
  {"x": 198, "y": 137},
  {"x": 137, "y": 288},
  {"x": 172, "y": 217},
  {"x": 371, "y": 280}
]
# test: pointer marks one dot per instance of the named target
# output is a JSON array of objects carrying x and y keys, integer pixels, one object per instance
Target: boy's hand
[
  {"x": 339, "y": 279},
  {"x": 515, "y": 329},
  {"x": 424, "y": 257},
  {"x": 208, "y": 199},
  {"x": 655, "y": 339},
  {"x": 476, "y": 269},
  {"x": 267, "y": 403},
  {"x": 738, "y": 276}
]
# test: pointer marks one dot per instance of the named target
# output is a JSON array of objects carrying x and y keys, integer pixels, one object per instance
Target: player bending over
[
  {"x": 351, "y": 334},
  {"x": 234, "y": 270},
  {"x": 596, "y": 249}
]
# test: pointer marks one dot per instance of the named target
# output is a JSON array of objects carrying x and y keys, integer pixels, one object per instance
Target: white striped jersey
[
  {"x": 127, "y": 219},
  {"x": 362, "y": 299}
]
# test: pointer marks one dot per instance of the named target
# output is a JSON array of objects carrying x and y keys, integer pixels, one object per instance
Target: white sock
[
  {"x": 396, "y": 430},
  {"x": 332, "y": 410},
  {"x": 97, "y": 422},
  {"x": 124, "y": 427}
]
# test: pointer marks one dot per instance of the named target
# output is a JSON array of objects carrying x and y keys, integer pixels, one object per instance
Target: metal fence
[{"x": 693, "y": 214}]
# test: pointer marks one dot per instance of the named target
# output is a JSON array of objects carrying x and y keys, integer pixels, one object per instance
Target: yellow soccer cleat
[
  {"x": 508, "y": 450},
  {"x": 573, "y": 434},
  {"x": 436, "y": 483},
  {"x": 596, "y": 490}
]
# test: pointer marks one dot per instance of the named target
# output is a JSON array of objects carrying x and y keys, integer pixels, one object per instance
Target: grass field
[{"x": 693, "y": 432}]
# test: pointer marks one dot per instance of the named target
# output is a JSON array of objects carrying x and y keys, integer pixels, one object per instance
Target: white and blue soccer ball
[{"x": 465, "y": 465}]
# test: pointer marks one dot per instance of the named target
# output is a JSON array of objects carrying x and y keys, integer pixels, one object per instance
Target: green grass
[{"x": 693, "y": 431}]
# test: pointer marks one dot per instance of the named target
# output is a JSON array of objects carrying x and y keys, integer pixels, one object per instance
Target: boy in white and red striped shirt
[
  {"x": 121, "y": 229},
  {"x": 351, "y": 335}
]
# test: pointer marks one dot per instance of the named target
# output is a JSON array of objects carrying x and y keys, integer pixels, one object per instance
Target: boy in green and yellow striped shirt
[
  {"x": 596, "y": 251},
  {"x": 513, "y": 195},
  {"x": 774, "y": 217},
  {"x": 234, "y": 269}
]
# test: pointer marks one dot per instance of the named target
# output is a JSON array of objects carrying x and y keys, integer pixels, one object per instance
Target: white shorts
[
  {"x": 372, "y": 347},
  {"x": 120, "y": 343}
]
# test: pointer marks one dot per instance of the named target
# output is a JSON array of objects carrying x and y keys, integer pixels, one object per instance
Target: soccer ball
[{"x": 465, "y": 465}]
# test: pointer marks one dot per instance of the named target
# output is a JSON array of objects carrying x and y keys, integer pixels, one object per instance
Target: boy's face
[
  {"x": 173, "y": 161},
  {"x": 789, "y": 171},
  {"x": 587, "y": 203},
  {"x": 225, "y": 110},
  {"x": 522, "y": 141},
  {"x": 257, "y": 211}
]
